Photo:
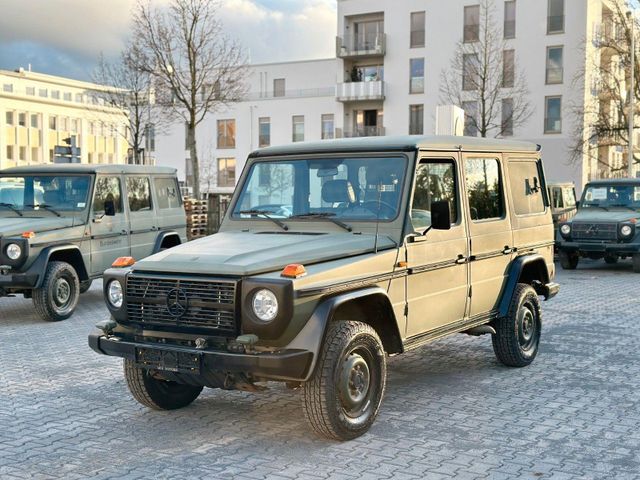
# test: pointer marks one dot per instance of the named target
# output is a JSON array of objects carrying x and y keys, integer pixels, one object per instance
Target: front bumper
[
  {"x": 598, "y": 247},
  {"x": 288, "y": 365},
  {"x": 11, "y": 281}
]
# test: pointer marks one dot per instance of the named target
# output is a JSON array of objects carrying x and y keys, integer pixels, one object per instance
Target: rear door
[
  {"x": 491, "y": 241},
  {"x": 169, "y": 207},
  {"x": 143, "y": 226}
]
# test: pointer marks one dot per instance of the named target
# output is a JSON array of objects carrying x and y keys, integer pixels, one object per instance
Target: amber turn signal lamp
[
  {"x": 28, "y": 234},
  {"x": 293, "y": 270},
  {"x": 122, "y": 262}
]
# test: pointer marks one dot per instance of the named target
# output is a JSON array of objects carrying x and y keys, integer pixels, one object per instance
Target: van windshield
[
  {"x": 29, "y": 193},
  {"x": 606, "y": 196},
  {"x": 357, "y": 189}
]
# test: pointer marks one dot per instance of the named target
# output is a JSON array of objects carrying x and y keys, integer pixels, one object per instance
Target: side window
[
  {"x": 107, "y": 188},
  {"x": 435, "y": 181},
  {"x": 167, "y": 193},
  {"x": 526, "y": 187},
  {"x": 138, "y": 193},
  {"x": 484, "y": 187},
  {"x": 569, "y": 197},
  {"x": 556, "y": 197}
]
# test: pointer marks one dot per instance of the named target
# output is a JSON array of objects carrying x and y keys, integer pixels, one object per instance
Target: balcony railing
[
  {"x": 359, "y": 91},
  {"x": 361, "y": 45},
  {"x": 370, "y": 131},
  {"x": 301, "y": 93}
]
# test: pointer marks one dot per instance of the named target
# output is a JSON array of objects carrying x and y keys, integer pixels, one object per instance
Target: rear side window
[
  {"x": 484, "y": 188},
  {"x": 167, "y": 193},
  {"x": 107, "y": 188},
  {"x": 139, "y": 194},
  {"x": 526, "y": 187},
  {"x": 435, "y": 181}
]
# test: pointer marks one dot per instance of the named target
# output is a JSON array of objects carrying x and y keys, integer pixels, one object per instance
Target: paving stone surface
[{"x": 450, "y": 411}]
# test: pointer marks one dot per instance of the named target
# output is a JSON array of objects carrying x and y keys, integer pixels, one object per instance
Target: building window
[
  {"x": 22, "y": 119},
  {"x": 417, "y": 75},
  {"x": 151, "y": 135},
  {"x": 553, "y": 114},
  {"x": 278, "y": 87},
  {"x": 64, "y": 124},
  {"x": 79, "y": 97},
  {"x": 555, "y": 16},
  {"x": 507, "y": 117},
  {"x": 555, "y": 70},
  {"x": 35, "y": 120},
  {"x": 7, "y": 87},
  {"x": 227, "y": 133},
  {"x": 35, "y": 154},
  {"x": 327, "y": 126},
  {"x": 470, "y": 118},
  {"x": 264, "y": 132},
  {"x": 9, "y": 118},
  {"x": 31, "y": 90},
  {"x": 23, "y": 153},
  {"x": 53, "y": 123},
  {"x": 508, "y": 68},
  {"x": 43, "y": 92},
  {"x": 55, "y": 94},
  {"x": 469, "y": 71},
  {"x": 226, "y": 172},
  {"x": 298, "y": 128},
  {"x": 9, "y": 152},
  {"x": 510, "y": 19},
  {"x": 471, "y": 23},
  {"x": 67, "y": 96},
  {"x": 74, "y": 125},
  {"x": 417, "y": 29},
  {"x": 367, "y": 73},
  {"x": 416, "y": 119}
]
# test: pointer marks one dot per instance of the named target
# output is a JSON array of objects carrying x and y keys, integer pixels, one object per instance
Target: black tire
[
  {"x": 611, "y": 259},
  {"x": 342, "y": 398},
  {"x": 518, "y": 333},
  {"x": 636, "y": 262},
  {"x": 155, "y": 393},
  {"x": 568, "y": 261},
  {"x": 58, "y": 296},
  {"x": 85, "y": 286}
]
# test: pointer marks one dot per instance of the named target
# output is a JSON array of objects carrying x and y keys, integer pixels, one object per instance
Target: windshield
[
  {"x": 359, "y": 189},
  {"x": 605, "y": 196},
  {"x": 33, "y": 192}
]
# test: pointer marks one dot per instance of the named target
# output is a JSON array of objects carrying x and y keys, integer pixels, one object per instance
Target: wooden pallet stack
[{"x": 196, "y": 211}]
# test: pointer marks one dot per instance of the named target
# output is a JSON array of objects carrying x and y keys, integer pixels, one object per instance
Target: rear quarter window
[
  {"x": 167, "y": 193},
  {"x": 526, "y": 187}
]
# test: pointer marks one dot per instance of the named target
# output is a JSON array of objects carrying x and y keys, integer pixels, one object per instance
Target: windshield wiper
[
  {"x": 11, "y": 207},
  {"x": 266, "y": 215},
  {"x": 623, "y": 206},
  {"x": 46, "y": 207},
  {"x": 324, "y": 215},
  {"x": 597, "y": 205}
]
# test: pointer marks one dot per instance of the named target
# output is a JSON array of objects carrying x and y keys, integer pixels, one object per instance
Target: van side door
[
  {"x": 491, "y": 240},
  {"x": 169, "y": 207},
  {"x": 143, "y": 226},
  {"x": 437, "y": 285},
  {"x": 109, "y": 229}
]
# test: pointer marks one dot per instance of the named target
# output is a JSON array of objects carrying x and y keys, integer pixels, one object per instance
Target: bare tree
[
  {"x": 197, "y": 67},
  {"x": 483, "y": 77},
  {"x": 606, "y": 108}
]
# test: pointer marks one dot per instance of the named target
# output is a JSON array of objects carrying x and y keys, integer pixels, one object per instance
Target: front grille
[
  {"x": 594, "y": 231},
  {"x": 203, "y": 304}
]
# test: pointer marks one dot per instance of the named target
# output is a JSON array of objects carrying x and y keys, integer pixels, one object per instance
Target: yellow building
[{"x": 37, "y": 112}]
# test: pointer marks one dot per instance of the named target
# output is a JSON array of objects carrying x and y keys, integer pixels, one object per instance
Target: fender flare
[
  {"x": 39, "y": 266},
  {"x": 162, "y": 236},
  {"x": 311, "y": 337},
  {"x": 515, "y": 270}
]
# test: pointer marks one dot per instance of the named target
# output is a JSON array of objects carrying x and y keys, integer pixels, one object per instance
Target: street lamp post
[{"x": 632, "y": 93}]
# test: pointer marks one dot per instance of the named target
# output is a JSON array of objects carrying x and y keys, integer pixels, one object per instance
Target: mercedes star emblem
[{"x": 177, "y": 303}]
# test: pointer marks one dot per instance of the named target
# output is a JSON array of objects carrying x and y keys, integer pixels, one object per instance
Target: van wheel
[
  {"x": 611, "y": 259},
  {"x": 636, "y": 262},
  {"x": 156, "y": 393},
  {"x": 57, "y": 298},
  {"x": 517, "y": 336},
  {"x": 342, "y": 398},
  {"x": 568, "y": 261},
  {"x": 85, "y": 286}
]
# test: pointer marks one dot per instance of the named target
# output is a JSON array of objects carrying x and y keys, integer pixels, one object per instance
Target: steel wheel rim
[
  {"x": 528, "y": 327},
  {"x": 356, "y": 383},
  {"x": 62, "y": 293}
]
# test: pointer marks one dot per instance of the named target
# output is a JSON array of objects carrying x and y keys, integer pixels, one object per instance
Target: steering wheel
[{"x": 374, "y": 204}]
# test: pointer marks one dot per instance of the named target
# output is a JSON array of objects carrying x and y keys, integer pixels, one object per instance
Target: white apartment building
[
  {"x": 385, "y": 80},
  {"x": 37, "y": 112}
]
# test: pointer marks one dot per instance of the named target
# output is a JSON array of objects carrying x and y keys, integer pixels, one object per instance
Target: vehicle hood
[
  {"x": 251, "y": 253},
  {"x": 10, "y": 226},
  {"x": 614, "y": 215}
]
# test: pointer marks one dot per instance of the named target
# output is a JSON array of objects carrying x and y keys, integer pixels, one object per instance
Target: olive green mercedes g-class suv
[
  {"x": 332, "y": 256},
  {"x": 62, "y": 225}
]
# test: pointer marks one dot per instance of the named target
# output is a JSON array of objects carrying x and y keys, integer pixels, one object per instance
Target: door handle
[
  {"x": 154, "y": 228},
  {"x": 508, "y": 250},
  {"x": 461, "y": 259},
  {"x": 124, "y": 232}
]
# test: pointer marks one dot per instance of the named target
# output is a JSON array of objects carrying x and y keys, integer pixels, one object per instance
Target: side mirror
[
  {"x": 440, "y": 215},
  {"x": 109, "y": 208}
]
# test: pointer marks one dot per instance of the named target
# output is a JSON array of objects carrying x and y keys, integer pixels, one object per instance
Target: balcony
[
  {"x": 370, "y": 131},
  {"x": 360, "y": 91},
  {"x": 361, "y": 46}
]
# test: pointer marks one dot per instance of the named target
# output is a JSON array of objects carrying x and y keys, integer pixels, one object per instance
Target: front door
[
  {"x": 489, "y": 229},
  {"x": 109, "y": 233},
  {"x": 142, "y": 219},
  {"x": 437, "y": 288}
]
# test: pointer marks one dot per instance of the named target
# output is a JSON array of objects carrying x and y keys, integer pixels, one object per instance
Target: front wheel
[
  {"x": 342, "y": 398},
  {"x": 517, "y": 336},
  {"x": 58, "y": 296},
  {"x": 156, "y": 393},
  {"x": 568, "y": 260},
  {"x": 636, "y": 262}
]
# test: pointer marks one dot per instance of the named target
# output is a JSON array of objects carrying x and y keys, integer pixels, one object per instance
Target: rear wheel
[
  {"x": 57, "y": 298},
  {"x": 568, "y": 260},
  {"x": 611, "y": 259},
  {"x": 156, "y": 393}
]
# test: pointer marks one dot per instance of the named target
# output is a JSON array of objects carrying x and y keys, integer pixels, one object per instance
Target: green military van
[
  {"x": 332, "y": 256},
  {"x": 63, "y": 225}
]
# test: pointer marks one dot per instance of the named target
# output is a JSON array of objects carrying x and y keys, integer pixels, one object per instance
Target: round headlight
[
  {"x": 565, "y": 229},
  {"x": 265, "y": 305},
  {"x": 14, "y": 251},
  {"x": 626, "y": 230},
  {"x": 114, "y": 294}
]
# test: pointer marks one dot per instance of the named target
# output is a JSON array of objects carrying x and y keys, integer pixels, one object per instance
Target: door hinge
[
  {"x": 470, "y": 291},
  {"x": 406, "y": 309}
]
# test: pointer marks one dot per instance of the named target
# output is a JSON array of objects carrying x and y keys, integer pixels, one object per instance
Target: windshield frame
[
  {"x": 232, "y": 216},
  {"x": 33, "y": 213},
  {"x": 585, "y": 204}
]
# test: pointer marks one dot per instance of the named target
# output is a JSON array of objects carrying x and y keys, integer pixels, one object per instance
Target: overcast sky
[{"x": 65, "y": 37}]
